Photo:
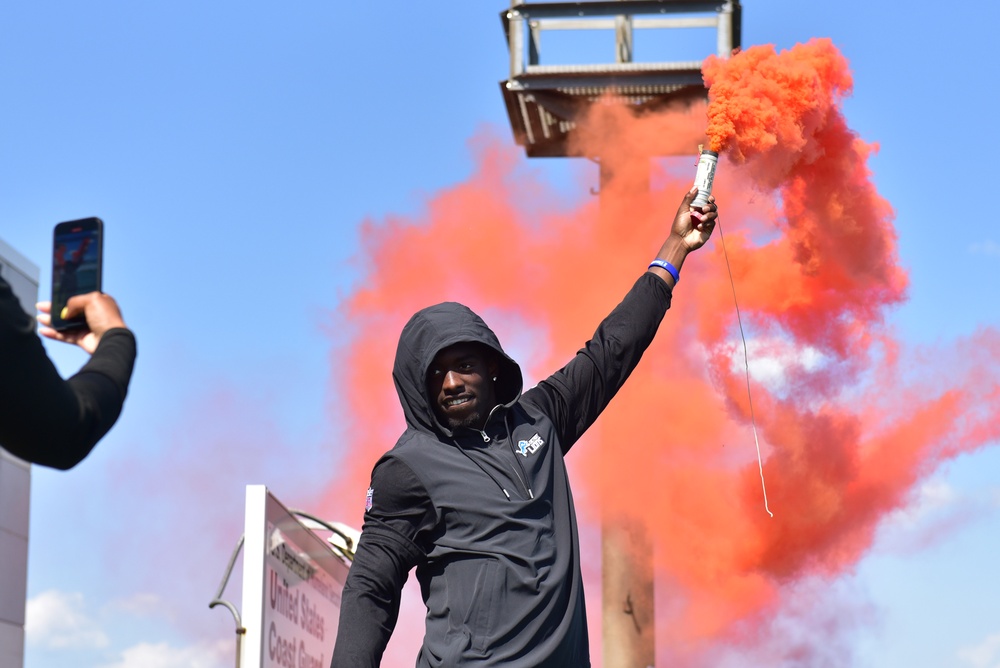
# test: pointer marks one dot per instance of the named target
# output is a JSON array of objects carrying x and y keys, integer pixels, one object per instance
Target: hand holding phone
[
  {"x": 100, "y": 313},
  {"x": 77, "y": 266}
]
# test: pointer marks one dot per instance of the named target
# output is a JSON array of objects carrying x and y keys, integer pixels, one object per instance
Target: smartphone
[{"x": 77, "y": 259}]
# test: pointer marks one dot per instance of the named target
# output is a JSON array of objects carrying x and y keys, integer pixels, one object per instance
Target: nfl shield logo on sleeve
[{"x": 368, "y": 499}]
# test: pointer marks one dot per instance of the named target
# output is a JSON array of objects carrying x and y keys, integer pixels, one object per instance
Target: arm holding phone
[
  {"x": 100, "y": 313},
  {"x": 43, "y": 418}
]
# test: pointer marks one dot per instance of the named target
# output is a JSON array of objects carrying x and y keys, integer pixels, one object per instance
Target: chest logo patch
[
  {"x": 530, "y": 446},
  {"x": 368, "y": 499}
]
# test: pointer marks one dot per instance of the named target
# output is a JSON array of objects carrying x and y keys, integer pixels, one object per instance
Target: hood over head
[{"x": 429, "y": 331}]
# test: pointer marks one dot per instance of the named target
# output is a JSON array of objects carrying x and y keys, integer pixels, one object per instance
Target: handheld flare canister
[{"x": 705, "y": 176}]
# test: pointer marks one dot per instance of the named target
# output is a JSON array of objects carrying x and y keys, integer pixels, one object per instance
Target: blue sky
[{"x": 233, "y": 151}]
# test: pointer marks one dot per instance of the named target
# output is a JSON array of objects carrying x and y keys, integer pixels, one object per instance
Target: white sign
[{"x": 292, "y": 580}]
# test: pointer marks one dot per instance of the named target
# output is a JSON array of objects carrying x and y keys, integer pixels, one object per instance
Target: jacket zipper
[
  {"x": 521, "y": 476},
  {"x": 488, "y": 474},
  {"x": 520, "y": 479}
]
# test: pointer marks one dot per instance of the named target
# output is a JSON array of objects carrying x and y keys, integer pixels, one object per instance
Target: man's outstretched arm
[{"x": 576, "y": 395}]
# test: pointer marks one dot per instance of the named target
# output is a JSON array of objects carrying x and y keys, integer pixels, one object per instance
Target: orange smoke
[{"x": 846, "y": 430}]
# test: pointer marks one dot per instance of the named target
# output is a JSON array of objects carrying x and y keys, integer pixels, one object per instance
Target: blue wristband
[{"x": 667, "y": 267}]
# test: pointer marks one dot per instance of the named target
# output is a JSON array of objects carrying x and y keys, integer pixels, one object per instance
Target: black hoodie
[{"x": 487, "y": 517}]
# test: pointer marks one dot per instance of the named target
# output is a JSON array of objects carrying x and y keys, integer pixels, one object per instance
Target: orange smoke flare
[{"x": 814, "y": 259}]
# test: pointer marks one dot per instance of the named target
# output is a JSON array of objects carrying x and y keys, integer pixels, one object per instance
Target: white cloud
[
  {"x": 989, "y": 247},
  {"x": 143, "y": 604},
  {"x": 936, "y": 511},
  {"x": 984, "y": 655},
  {"x": 933, "y": 496},
  {"x": 162, "y": 655},
  {"x": 59, "y": 620},
  {"x": 772, "y": 360}
]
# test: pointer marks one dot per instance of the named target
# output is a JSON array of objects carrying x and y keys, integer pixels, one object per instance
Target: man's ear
[{"x": 491, "y": 358}]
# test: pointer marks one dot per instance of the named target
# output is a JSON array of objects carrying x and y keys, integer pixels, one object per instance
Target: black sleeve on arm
[
  {"x": 397, "y": 523},
  {"x": 44, "y": 419},
  {"x": 574, "y": 396},
  {"x": 100, "y": 387}
]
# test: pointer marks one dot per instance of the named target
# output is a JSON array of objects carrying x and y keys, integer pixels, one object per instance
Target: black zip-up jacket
[
  {"x": 487, "y": 517},
  {"x": 43, "y": 418}
]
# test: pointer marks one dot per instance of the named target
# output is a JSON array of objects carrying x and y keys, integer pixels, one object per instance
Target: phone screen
[{"x": 76, "y": 264}]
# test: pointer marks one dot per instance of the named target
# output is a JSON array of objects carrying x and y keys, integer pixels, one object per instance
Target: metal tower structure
[{"x": 545, "y": 103}]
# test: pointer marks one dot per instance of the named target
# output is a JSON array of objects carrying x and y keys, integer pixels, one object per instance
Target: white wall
[{"x": 15, "y": 494}]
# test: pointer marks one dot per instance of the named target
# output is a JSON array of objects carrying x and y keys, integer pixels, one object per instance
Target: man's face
[{"x": 460, "y": 385}]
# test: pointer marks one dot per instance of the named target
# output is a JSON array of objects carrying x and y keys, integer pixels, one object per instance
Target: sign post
[{"x": 292, "y": 581}]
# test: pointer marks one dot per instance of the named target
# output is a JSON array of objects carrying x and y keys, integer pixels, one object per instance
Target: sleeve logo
[{"x": 368, "y": 499}]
